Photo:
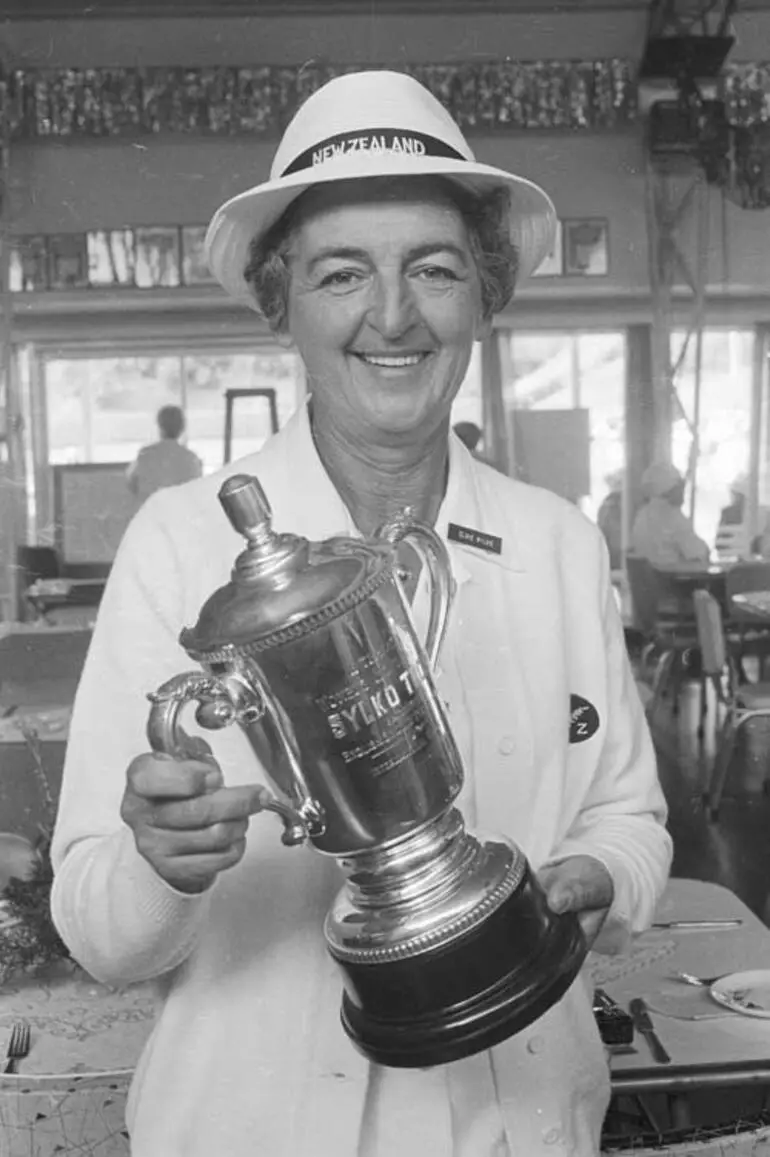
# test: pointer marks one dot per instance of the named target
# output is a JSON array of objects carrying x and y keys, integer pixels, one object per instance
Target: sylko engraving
[{"x": 367, "y": 709}]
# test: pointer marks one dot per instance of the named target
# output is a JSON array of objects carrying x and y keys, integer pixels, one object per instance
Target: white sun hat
[{"x": 368, "y": 124}]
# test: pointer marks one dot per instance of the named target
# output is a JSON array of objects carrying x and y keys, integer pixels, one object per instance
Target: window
[
  {"x": 724, "y": 419},
  {"x": 103, "y": 409}
]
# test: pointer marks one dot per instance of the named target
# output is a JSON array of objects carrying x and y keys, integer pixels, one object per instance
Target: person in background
[
  {"x": 469, "y": 434},
  {"x": 661, "y": 532},
  {"x": 609, "y": 518},
  {"x": 735, "y": 512},
  {"x": 165, "y": 462}
]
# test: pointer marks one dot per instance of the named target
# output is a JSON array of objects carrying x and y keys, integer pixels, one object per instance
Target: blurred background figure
[
  {"x": 609, "y": 518},
  {"x": 732, "y": 537},
  {"x": 661, "y": 532},
  {"x": 469, "y": 434},
  {"x": 735, "y": 512},
  {"x": 165, "y": 462}
]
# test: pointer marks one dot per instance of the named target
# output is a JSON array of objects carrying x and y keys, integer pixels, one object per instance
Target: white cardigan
[{"x": 248, "y": 1056}]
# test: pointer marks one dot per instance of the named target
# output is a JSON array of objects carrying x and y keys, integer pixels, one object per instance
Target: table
[
  {"x": 71, "y": 1094},
  {"x": 46, "y": 595},
  {"x": 87, "y": 1038},
  {"x": 724, "y": 1050},
  {"x": 758, "y": 602}
]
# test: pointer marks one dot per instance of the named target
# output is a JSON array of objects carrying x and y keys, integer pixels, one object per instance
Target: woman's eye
[
  {"x": 436, "y": 273},
  {"x": 340, "y": 279}
]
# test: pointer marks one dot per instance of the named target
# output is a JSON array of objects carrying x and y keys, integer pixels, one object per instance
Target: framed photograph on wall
[
  {"x": 111, "y": 257},
  {"x": 28, "y": 264},
  {"x": 68, "y": 261},
  {"x": 195, "y": 271},
  {"x": 586, "y": 248}
]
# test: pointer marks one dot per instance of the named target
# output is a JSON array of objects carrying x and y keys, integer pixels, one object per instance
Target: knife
[{"x": 643, "y": 1022}]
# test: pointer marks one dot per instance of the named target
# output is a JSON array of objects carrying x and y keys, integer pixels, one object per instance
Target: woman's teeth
[{"x": 392, "y": 361}]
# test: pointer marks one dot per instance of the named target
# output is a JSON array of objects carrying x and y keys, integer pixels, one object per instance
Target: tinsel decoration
[{"x": 112, "y": 102}]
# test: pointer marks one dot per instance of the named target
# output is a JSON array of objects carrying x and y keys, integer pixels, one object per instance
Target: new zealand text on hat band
[{"x": 393, "y": 141}]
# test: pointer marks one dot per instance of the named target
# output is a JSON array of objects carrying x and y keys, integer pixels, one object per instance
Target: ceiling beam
[{"x": 218, "y": 9}]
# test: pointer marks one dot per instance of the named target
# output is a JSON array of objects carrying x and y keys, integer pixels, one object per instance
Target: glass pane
[
  {"x": 725, "y": 418},
  {"x": 103, "y": 409},
  {"x": 565, "y": 372},
  {"x": 157, "y": 256},
  {"x": 207, "y": 377},
  {"x": 111, "y": 257}
]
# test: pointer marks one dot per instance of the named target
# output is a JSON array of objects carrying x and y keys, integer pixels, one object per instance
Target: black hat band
[{"x": 395, "y": 142}]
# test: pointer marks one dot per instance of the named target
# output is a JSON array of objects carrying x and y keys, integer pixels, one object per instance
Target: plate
[{"x": 744, "y": 992}]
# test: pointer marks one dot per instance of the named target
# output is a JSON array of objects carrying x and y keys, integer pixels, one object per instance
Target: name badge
[{"x": 467, "y": 536}]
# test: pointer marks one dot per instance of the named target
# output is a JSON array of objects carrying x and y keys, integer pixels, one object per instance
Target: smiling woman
[{"x": 383, "y": 249}]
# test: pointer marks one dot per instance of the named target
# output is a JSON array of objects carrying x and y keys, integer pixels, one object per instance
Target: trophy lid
[{"x": 280, "y": 580}]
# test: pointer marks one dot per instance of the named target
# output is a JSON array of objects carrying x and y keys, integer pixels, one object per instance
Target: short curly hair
[{"x": 485, "y": 214}]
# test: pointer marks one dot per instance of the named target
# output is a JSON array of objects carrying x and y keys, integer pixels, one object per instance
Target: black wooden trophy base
[{"x": 468, "y": 994}]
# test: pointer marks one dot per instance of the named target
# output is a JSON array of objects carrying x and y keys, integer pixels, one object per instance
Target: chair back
[
  {"x": 732, "y": 541},
  {"x": 643, "y": 585},
  {"x": 711, "y": 633},
  {"x": 37, "y": 562},
  {"x": 748, "y": 576}
]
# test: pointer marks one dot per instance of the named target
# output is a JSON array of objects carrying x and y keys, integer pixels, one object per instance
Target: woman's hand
[
  {"x": 186, "y": 824},
  {"x": 579, "y": 884}
]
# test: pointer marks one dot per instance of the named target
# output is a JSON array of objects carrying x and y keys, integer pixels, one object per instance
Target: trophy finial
[{"x": 247, "y": 507}]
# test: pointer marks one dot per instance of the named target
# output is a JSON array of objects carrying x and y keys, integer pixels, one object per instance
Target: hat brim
[{"x": 250, "y": 214}]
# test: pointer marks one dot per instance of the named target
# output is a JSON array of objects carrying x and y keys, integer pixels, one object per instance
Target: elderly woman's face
[{"x": 384, "y": 305}]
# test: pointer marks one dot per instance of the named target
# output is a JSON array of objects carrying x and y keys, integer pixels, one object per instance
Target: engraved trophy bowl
[{"x": 445, "y": 942}]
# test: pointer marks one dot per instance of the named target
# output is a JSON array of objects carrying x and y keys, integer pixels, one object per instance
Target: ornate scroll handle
[
  {"x": 434, "y": 555},
  {"x": 216, "y": 709}
]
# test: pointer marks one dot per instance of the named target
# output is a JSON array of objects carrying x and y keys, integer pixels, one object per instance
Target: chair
[
  {"x": 732, "y": 541},
  {"x": 667, "y": 624},
  {"x": 750, "y": 634},
  {"x": 740, "y": 702},
  {"x": 33, "y": 563}
]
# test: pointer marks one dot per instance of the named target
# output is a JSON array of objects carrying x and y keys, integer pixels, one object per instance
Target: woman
[
  {"x": 383, "y": 252},
  {"x": 661, "y": 532}
]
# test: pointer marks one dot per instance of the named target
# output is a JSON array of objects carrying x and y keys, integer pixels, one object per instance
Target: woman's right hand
[{"x": 186, "y": 823}]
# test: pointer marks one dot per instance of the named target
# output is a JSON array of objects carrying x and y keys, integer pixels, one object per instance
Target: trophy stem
[{"x": 417, "y": 893}]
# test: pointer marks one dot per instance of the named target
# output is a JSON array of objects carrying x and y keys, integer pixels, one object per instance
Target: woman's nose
[{"x": 393, "y": 311}]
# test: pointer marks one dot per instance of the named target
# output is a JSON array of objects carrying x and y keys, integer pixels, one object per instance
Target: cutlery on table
[
  {"x": 696, "y": 925},
  {"x": 698, "y": 981},
  {"x": 643, "y": 1023},
  {"x": 18, "y": 1045}
]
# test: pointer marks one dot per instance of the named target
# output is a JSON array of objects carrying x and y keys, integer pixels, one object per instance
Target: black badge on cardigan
[
  {"x": 467, "y": 536},
  {"x": 583, "y": 719}
]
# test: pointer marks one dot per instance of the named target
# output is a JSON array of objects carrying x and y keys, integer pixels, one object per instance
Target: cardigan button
[
  {"x": 506, "y": 745},
  {"x": 535, "y": 1045},
  {"x": 552, "y": 1136}
]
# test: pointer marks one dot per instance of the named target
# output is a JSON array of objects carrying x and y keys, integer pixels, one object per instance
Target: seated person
[
  {"x": 734, "y": 513},
  {"x": 661, "y": 532}
]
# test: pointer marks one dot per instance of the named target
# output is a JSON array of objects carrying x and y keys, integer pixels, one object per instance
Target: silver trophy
[{"x": 445, "y": 941}]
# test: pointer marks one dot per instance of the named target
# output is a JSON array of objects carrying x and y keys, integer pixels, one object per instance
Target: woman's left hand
[{"x": 579, "y": 884}]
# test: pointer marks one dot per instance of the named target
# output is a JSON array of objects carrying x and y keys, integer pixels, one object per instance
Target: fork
[
  {"x": 698, "y": 981},
  {"x": 18, "y": 1045}
]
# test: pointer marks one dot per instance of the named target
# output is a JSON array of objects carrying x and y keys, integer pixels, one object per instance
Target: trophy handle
[
  {"x": 432, "y": 552},
  {"x": 216, "y": 709}
]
